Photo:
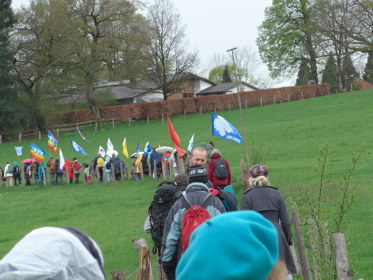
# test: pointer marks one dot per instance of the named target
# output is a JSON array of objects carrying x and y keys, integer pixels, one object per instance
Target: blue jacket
[{"x": 195, "y": 193}]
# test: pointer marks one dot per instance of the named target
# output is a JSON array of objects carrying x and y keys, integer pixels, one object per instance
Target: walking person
[
  {"x": 28, "y": 174},
  {"x": 17, "y": 174},
  {"x": 267, "y": 200},
  {"x": 196, "y": 193},
  {"x": 8, "y": 174},
  {"x": 42, "y": 174},
  {"x": 58, "y": 172},
  {"x": 218, "y": 171},
  {"x": 52, "y": 170},
  {"x": 76, "y": 169}
]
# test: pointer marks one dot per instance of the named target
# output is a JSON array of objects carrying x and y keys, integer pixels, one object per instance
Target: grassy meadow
[{"x": 292, "y": 133}]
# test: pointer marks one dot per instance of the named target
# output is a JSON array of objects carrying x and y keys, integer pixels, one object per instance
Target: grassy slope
[{"x": 294, "y": 132}]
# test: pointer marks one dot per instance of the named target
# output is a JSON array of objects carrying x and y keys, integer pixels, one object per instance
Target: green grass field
[{"x": 293, "y": 133}]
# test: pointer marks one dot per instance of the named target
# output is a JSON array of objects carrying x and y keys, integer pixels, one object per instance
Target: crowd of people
[
  {"x": 221, "y": 242},
  {"x": 51, "y": 172},
  {"x": 252, "y": 243}
]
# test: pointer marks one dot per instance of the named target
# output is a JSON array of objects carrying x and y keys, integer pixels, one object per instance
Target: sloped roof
[
  {"x": 364, "y": 84},
  {"x": 223, "y": 88}
]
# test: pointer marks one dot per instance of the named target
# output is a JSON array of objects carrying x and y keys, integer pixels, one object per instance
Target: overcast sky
[{"x": 214, "y": 26}]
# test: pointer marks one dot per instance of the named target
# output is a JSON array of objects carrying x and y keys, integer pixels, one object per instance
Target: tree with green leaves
[
  {"x": 368, "y": 71},
  {"x": 287, "y": 37},
  {"x": 38, "y": 40},
  {"x": 7, "y": 85},
  {"x": 95, "y": 25},
  {"x": 329, "y": 75},
  {"x": 226, "y": 77},
  {"x": 304, "y": 74},
  {"x": 350, "y": 73}
]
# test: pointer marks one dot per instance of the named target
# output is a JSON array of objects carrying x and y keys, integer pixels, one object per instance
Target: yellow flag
[{"x": 125, "y": 150}]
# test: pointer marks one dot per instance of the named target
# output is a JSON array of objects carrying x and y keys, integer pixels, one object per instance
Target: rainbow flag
[
  {"x": 37, "y": 153},
  {"x": 52, "y": 142}
]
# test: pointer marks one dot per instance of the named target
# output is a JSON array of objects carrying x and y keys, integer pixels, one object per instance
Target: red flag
[{"x": 175, "y": 139}]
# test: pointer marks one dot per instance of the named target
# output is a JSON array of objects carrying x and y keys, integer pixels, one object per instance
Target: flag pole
[{"x": 240, "y": 107}]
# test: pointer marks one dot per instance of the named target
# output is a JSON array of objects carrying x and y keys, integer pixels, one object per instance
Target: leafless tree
[{"x": 169, "y": 59}]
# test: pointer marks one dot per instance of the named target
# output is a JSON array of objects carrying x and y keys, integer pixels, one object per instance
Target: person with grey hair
[
  {"x": 268, "y": 201},
  {"x": 218, "y": 170}
]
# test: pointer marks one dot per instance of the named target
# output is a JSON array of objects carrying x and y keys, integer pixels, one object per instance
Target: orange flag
[{"x": 175, "y": 138}]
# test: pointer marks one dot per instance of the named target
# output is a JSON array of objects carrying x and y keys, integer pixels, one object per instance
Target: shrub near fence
[{"x": 155, "y": 110}]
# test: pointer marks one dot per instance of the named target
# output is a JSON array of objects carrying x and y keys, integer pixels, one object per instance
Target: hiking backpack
[
  {"x": 164, "y": 197},
  {"x": 221, "y": 170},
  {"x": 192, "y": 218}
]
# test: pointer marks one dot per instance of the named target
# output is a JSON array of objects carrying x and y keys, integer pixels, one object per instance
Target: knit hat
[
  {"x": 258, "y": 170},
  {"x": 240, "y": 245},
  {"x": 197, "y": 174}
]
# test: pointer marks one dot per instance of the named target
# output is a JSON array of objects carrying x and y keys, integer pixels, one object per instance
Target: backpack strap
[
  {"x": 207, "y": 200},
  {"x": 185, "y": 201},
  {"x": 204, "y": 204}
]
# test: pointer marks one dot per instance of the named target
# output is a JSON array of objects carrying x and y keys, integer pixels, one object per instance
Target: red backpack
[{"x": 192, "y": 218}]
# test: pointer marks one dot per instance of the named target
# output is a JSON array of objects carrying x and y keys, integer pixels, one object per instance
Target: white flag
[
  {"x": 62, "y": 159},
  {"x": 109, "y": 145},
  {"x": 18, "y": 151},
  {"x": 101, "y": 152}
]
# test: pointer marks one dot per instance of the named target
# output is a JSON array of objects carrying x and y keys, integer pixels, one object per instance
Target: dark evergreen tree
[
  {"x": 226, "y": 77},
  {"x": 330, "y": 74},
  {"x": 7, "y": 80},
  {"x": 368, "y": 72},
  {"x": 349, "y": 73},
  {"x": 304, "y": 73}
]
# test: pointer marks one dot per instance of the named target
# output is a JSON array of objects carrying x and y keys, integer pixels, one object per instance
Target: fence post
[
  {"x": 145, "y": 268},
  {"x": 341, "y": 260},
  {"x": 306, "y": 271},
  {"x": 184, "y": 113},
  {"x": 19, "y": 137},
  {"x": 274, "y": 99},
  {"x": 246, "y": 103},
  {"x": 112, "y": 172},
  {"x": 147, "y": 119},
  {"x": 39, "y": 135},
  {"x": 113, "y": 123},
  {"x": 200, "y": 109},
  {"x": 129, "y": 121},
  {"x": 1, "y": 139},
  {"x": 95, "y": 126},
  {"x": 164, "y": 170},
  {"x": 261, "y": 101},
  {"x": 162, "y": 118},
  {"x": 288, "y": 96}
]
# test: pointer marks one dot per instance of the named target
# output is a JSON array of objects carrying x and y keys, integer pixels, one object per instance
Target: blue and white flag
[
  {"x": 147, "y": 148},
  {"x": 18, "y": 151},
  {"x": 190, "y": 145},
  {"x": 77, "y": 148},
  {"x": 222, "y": 128}
]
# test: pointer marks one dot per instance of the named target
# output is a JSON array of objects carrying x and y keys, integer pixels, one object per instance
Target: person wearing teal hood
[
  {"x": 42, "y": 174},
  {"x": 17, "y": 174},
  {"x": 240, "y": 245}
]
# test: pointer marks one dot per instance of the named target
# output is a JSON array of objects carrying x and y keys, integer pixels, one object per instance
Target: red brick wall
[{"x": 154, "y": 110}]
